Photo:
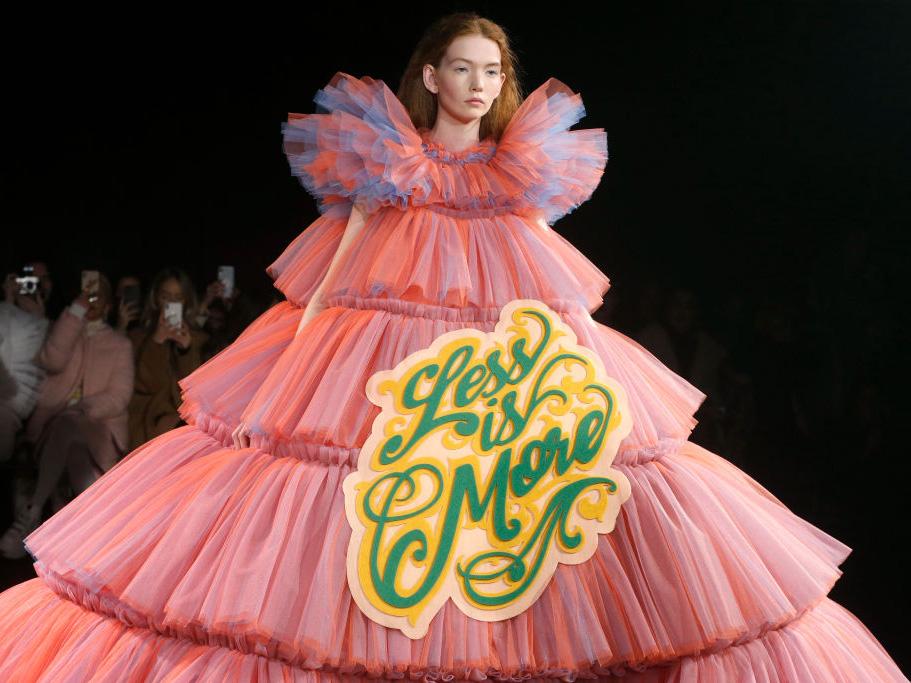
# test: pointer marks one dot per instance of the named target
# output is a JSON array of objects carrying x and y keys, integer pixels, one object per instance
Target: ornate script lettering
[{"x": 488, "y": 464}]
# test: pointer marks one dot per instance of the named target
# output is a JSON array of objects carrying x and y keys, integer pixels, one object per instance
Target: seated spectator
[
  {"x": 21, "y": 337},
  {"x": 79, "y": 427},
  {"x": 164, "y": 353},
  {"x": 224, "y": 318},
  {"x": 41, "y": 302}
]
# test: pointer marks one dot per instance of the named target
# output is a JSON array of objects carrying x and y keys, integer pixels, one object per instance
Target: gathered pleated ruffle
[
  {"x": 309, "y": 400},
  {"x": 238, "y": 548},
  {"x": 300, "y": 268},
  {"x": 193, "y": 561},
  {"x": 50, "y": 638},
  {"x": 219, "y": 390},
  {"x": 430, "y": 258},
  {"x": 364, "y": 148}
]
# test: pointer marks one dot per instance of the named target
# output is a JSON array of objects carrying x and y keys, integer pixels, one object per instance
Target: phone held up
[
  {"x": 226, "y": 278},
  {"x": 173, "y": 313},
  {"x": 131, "y": 295}
]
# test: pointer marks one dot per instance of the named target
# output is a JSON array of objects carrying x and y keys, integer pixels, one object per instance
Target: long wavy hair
[{"x": 431, "y": 48}]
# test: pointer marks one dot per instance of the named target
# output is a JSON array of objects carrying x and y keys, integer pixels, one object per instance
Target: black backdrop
[{"x": 759, "y": 150}]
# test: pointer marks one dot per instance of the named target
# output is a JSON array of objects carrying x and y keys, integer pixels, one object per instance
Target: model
[{"x": 553, "y": 520}]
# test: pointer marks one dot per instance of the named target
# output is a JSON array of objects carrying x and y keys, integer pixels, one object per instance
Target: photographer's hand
[
  {"x": 181, "y": 335},
  {"x": 31, "y": 303},
  {"x": 162, "y": 330},
  {"x": 127, "y": 312},
  {"x": 83, "y": 300}
]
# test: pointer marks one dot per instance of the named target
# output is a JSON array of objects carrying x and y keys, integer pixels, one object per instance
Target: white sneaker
[{"x": 11, "y": 545}]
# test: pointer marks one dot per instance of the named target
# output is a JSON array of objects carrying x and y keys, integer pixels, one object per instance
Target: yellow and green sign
[{"x": 488, "y": 464}]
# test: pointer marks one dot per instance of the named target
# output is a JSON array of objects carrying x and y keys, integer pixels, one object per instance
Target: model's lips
[{"x": 475, "y": 100}]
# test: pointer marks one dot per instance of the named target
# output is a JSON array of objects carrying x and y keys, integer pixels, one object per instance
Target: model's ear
[{"x": 430, "y": 79}]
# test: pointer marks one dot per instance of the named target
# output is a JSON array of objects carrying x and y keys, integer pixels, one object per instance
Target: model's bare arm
[{"x": 356, "y": 221}]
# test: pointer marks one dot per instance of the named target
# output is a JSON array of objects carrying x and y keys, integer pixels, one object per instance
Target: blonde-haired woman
[{"x": 166, "y": 351}]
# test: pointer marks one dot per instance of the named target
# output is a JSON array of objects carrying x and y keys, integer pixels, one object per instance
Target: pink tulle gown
[{"x": 194, "y": 561}]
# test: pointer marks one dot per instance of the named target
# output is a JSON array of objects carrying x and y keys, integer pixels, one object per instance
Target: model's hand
[{"x": 240, "y": 437}]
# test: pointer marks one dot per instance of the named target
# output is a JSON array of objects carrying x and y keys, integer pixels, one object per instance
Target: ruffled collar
[
  {"x": 481, "y": 152},
  {"x": 363, "y": 146}
]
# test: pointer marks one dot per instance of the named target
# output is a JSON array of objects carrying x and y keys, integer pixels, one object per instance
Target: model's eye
[
  {"x": 462, "y": 69},
  {"x": 493, "y": 72}
]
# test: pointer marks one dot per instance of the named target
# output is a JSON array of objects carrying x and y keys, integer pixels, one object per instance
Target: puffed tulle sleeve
[
  {"x": 363, "y": 147},
  {"x": 557, "y": 168}
]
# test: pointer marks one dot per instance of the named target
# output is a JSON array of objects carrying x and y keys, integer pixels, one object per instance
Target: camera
[{"x": 27, "y": 281}]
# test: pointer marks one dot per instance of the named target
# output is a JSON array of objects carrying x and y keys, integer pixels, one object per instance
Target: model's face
[{"x": 468, "y": 79}]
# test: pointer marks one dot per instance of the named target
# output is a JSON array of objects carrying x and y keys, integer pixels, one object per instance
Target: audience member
[
  {"x": 166, "y": 350},
  {"x": 79, "y": 426},
  {"x": 41, "y": 303},
  {"x": 21, "y": 336},
  {"x": 224, "y": 318}
]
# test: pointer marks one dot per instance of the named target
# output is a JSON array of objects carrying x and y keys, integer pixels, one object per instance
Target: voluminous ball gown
[{"x": 193, "y": 561}]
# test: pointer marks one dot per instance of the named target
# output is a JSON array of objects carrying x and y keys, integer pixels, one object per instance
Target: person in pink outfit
[
  {"x": 217, "y": 551},
  {"x": 79, "y": 425}
]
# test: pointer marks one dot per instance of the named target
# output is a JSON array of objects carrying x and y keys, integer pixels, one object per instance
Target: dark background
[{"x": 758, "y": 157}]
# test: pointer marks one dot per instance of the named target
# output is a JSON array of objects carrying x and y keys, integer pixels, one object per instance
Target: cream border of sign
[{"x": 450, "y": 588}]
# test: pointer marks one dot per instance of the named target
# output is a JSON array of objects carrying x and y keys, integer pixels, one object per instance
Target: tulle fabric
[
  {"x": 695, "y": 563},
  {"x": 312, "y": 404},
  {"x": 190, "y": 560},
  {"x": 465, "y": 262},
  {"x": 365, "y": 149},
  {"x": 59, "y": 640},
  {"x": 216, "y": 393},
  {"x": 300, "y": 268}
]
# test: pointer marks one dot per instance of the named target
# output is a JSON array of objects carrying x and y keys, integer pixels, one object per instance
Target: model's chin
[{"x": 471, "y": 114}]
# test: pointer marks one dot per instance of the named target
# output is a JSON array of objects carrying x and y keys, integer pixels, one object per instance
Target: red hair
[{"x": 431, "y": 48}]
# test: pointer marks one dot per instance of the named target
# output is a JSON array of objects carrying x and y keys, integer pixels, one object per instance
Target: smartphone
[
  {"x": 226, "y": 277},
  {"x": 131, "y": 294},
  {"x": 173, "y": 313},
  {"x": 27, "y": 281},
  {"x": 90, "y": 282}
]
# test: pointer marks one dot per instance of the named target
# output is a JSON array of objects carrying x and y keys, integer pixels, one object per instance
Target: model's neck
[{"x": 455, "y": 135}]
